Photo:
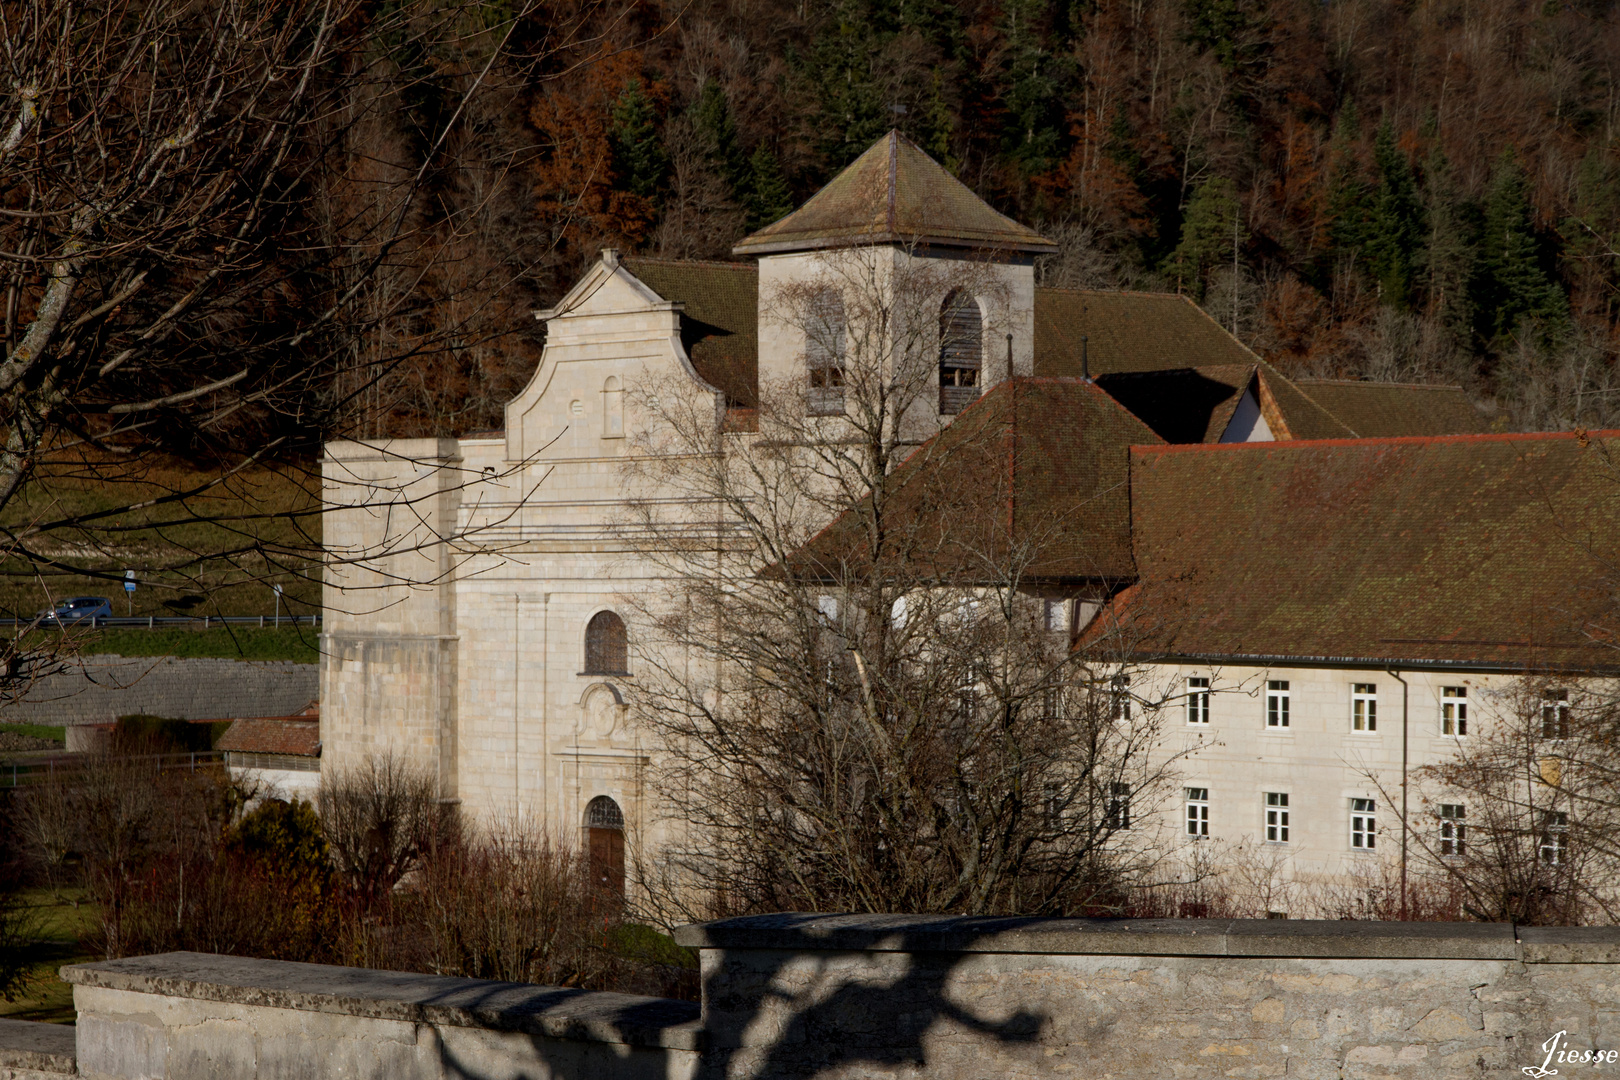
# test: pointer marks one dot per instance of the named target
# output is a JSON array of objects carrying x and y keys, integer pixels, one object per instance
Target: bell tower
[{"x": 895, "y": 265}]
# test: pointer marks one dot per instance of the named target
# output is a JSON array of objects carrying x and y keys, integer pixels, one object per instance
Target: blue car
[{"x": 77, "y": 610}]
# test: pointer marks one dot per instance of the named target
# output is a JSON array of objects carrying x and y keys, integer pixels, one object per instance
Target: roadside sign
[{"x": 129, "y": 581}]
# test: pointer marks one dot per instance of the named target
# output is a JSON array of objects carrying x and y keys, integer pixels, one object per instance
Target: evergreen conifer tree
[
  {"x": 1394, "y": 234},
  {"x": 639, "y": 160},
  {"x": 839, "y": 67},
  {"x": 769, "y": 198},
  {"x": 1035, "y": 116},
  {"x": 717, "y": 133},
  {"x": 1513, "y": 285},
  {"x": 1209, "y": 231},
  {"x": 1450, "y": 253},
  {"x": 1347, "y": 190}
]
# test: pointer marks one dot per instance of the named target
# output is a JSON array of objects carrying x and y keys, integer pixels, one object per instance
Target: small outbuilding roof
[{"x": 294, "y": 735}]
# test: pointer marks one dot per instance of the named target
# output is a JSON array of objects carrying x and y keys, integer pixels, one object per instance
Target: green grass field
[
  {"x": 65, "y": 924},
  {"x": 38, "y": 731},
  {"x": 216, "y": 552},
  {"x": 296, "y": 643}
]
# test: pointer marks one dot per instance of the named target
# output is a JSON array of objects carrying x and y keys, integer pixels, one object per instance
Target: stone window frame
[
  {"x": 1278, "y": 710},
  {"x": 826, "y": 347},
  {"x": 1277, "y": 818},
  {"x": 595, "y": 662},
  {"x": 1454, "y": 712},
  {"x": 961, "y": 353},
  {"x": 1196, "y": 814},
  {"x": 1363, "y": 824},
  {"x": 1198, "y": 692},
  {"x": 1364, "y": 708},
  {"x": 1453, "y": 840}
]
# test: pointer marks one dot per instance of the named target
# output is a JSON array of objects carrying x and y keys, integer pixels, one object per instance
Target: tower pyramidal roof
[{"x": 894, "y": 193}]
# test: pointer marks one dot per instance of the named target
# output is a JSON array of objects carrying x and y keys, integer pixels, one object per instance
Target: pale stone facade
[
  {"x": 463, "y": 575},
  {"x": 463, "y": 572}
]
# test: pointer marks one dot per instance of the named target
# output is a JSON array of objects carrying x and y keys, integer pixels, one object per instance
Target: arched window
[
  {"x": 604, "y": 836},
  {"x": 612, "y": 409},
  {"x": 961, "y": 349},
  {"x": 824, "y": 347},
  {"x": 603, "y": 813},
  {"x": 607, "y": 651}
]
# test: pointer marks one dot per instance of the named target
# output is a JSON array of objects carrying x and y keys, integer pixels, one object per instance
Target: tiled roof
[
  {"x": 894, "y": 192},
  {"x": 1379, "y": 410},
  {"x": 1128, "y": 331},
  {"x": 720, "y": 320},
  {"x": 1042, "y": 460},
  {"x": 273, "y": 735},
  {"x": 1482, "y": 549},
  {"x": 1114, "y": 333}
]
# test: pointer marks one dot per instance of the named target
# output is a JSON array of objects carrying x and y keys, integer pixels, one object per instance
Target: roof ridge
[
  {"x": 1378, "y": 382},
  {"x": 752, "y": 268},
  {"x": 1391, "y": 440},
  {"x": 1113, "y": 292},
  {"x": 891, "y": 215}
]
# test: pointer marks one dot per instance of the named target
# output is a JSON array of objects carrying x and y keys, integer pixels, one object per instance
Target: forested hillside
[{"x": 1398, "y": 190}]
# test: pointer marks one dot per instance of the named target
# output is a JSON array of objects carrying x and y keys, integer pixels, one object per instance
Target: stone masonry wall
[
  {"x": 865, "y": 996},
  {"x": 798, "y": 996},
  {"x": 99, "y": 689},
  {"x": 191, "y": 1016}
]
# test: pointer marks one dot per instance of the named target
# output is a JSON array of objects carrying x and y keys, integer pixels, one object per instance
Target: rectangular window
[
  {"x": 1555, "y": 838},
  {"x": 1197, "y": 701},
  {"x": 1277, "y": 703},
  {"x": 1276, "y": 817},
  {"x": 1363, "y": 824},
  {"x": 1056, "y": 615},
  {"x": 1454, "y": 710},
  {"x": 1197, "y": 811},
  {"x": 1453, "y": 828},
  {"x": 1119, "y": 806},
  {"x": 1119, "y": 696},
  {"x": 1364, "y": 706},
  {"x": 1555, "y": 715}
]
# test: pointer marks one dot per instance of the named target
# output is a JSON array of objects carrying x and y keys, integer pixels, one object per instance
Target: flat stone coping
[
  {"x": 550, "y": 1011},
  {"x": 46, "y": 1048},
  {"x": 1160, "y": 937}
]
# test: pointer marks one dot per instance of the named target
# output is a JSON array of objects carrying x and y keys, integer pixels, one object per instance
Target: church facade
[{"x": 1368, "y": 567}]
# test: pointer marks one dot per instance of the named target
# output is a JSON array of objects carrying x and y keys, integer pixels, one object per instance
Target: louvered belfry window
[
  {"x": 607, "y": 651},
  {"x": 961, "y": 352},
  {"x": 824, "y": 348}
]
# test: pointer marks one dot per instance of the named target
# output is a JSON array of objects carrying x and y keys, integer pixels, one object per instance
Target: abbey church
[{"x": 1363, "y": 564}]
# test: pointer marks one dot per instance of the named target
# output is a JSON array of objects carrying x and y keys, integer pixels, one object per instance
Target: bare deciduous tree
[
  {"x": 880, "y": 716},
  {"x": 1522, "y": 824},
  {"x": 378, "y": 819}
]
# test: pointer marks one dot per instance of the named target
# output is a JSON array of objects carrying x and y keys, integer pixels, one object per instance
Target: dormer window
[
  {"x": 824, "y": 354},
  {"x": 961, "y": 352}
]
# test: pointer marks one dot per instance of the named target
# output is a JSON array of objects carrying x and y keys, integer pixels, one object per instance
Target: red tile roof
[
  {"x": 1041, "y": 464},
  {"x": 1377, "y": 410},
  {"x": 273, "y": 735},
  {"x": 1488, "y": 550}
]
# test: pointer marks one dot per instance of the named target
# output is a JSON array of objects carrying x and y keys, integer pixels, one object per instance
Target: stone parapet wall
[
  {"x": 32, "y": 1051},
  {"x": 791, "y": 996},
  {"x": 181, "y": 1016},
  {"x": 99, "y": 689},
  {"x": 848, "y": 996}
]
